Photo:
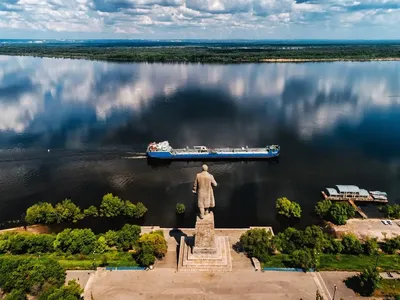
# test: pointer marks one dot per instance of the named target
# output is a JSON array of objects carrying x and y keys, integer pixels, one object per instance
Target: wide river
[{"x": 337, "y": 123}]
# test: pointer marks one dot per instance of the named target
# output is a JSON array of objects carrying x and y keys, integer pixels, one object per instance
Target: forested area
[{"x": 255, "y": 53}]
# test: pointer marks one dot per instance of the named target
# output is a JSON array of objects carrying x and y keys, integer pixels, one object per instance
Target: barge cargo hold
[
  {"x": 354, "y": 193},
  {"x": 164, "y": 151}
]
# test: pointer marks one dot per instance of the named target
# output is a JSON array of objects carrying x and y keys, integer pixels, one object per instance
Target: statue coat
[{"x": 203, "y": 187}]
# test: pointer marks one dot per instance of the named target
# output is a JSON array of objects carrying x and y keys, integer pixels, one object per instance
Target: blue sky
[{"x": 215, "y": 19}]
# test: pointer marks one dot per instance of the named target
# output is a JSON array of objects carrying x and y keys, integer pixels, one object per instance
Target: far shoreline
[
  {"x": 208, "y": 55},
  {"x": 261, "y": 61}
]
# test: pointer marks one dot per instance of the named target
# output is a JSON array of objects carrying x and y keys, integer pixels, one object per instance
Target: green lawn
[
  {"x": 343, "y": 262},
  {"x": 79, "y": 261},
  {"x": 388, "y": 288}
]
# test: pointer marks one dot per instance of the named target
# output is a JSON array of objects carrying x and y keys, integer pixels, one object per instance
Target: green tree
[
  {"x": 180, "y": 208},
  {"x": 288, "y": 208},
  {"x": 289, "y": 240},
  {"x": 351, "y": 245},
  {"x": 146, "y": 256},
  {"x": 67, "y": 211},
  {"x": 72, "y": 291},
  {"x": 111, "y": 206},
  {"x": 257, "y": 242},
  {"x": 392, "y": 211},
  {"x": 339, "y": 213},
  {"x": 369, "y": 281},
  {"x": 101, "y": 245},
  {"x": 76, "y": 241},
  {"x": 128, "y": 236},
  {"x": 129, "y": 209},
  {"x": 16, "y": 294},
  {"x": 140, "y": 210},
  {"x": 302, "y": 259},
  {"x": 41, "y": 213},
  {"x": 371, "y": 246},
  {"x": 91, "y": 211},
  {"x": 390, "y": 246},
  {"x": 155, "y": 241},
  {"x": 29, "y": 275},
  {"x": 111, "y": 238},
  {"x": 322, "y": 208},
  {"x": 335, "y": 246},
  {"x": 314, "y": 238}
]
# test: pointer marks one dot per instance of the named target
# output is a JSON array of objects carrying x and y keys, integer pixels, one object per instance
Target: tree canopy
[
  {"x": 288, "y": 208},
  {"x": 257, "y": 242},
  {"x": 29, "y": 275}
]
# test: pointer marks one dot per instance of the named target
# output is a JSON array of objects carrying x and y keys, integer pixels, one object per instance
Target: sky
[{"x": 201, "y": 19}]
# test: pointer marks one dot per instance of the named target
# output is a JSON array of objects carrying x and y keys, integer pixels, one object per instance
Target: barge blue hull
[{"x": 210, "y": 156}]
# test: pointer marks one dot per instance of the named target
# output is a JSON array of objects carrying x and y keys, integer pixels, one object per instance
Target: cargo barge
[{"x": 163, "y": 150}]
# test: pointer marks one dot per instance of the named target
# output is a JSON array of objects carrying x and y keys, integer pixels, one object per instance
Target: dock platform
[{"x": 355, "y": 198}]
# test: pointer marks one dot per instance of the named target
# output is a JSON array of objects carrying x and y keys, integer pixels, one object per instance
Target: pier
[{"x": 359, "y": 210}]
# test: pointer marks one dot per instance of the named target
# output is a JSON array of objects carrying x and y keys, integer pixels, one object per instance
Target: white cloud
[{"x": 198, "y": 18}]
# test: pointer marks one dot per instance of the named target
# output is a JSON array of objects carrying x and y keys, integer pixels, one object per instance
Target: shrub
[
  {"x": 180, "y": 208},
  {"x": 371, "y": 246},
  {"x": 392, "y": 211},
  {"x": 351, "y": 245},
  {"x": 156, "y": 242},
  {"x": 302, "y": 259},
  {"x": 146, "y": 257}
]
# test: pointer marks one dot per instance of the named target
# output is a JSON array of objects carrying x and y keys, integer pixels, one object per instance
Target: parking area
[{"x": 369, "y": 228}]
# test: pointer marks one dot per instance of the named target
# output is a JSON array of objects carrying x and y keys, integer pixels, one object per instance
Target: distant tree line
[
  {"x": 67, "y": 211},
  {"x": 206, "y": 54}
]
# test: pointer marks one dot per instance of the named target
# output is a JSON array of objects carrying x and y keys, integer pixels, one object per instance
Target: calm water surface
[{"x": 337, "y": 123}]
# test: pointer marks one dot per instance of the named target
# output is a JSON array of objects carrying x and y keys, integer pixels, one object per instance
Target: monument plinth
[
  {"x": 204, "y": 237},
  {"x": 204, "y": 251}
]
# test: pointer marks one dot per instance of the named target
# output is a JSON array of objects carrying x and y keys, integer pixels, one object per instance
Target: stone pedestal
[
  {"x": 205, "y": 251},
  {"x": 204, "y": 237}
]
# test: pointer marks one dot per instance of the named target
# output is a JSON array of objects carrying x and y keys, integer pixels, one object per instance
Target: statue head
[{"x": 204, "y": 167}]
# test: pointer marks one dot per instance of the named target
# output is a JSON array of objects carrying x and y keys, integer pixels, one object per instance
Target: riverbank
[{"x": 202, "y": 54}]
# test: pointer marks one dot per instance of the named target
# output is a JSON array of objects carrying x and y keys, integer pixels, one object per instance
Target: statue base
[{"x": 205, "y": 251}]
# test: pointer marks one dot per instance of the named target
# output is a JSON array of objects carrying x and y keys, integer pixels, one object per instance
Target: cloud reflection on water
[{"x": 37, "y": 95}]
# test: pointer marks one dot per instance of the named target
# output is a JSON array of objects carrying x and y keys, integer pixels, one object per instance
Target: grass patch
[
  {"x": 388, "y": 288},
  {"x": 345, "y": 262},
  {"x": 342, "y": 262},
  {"x": 84, "y": 262}
]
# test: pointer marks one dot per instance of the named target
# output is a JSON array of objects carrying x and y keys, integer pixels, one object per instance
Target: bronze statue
[{"x": 203, "y": 187}]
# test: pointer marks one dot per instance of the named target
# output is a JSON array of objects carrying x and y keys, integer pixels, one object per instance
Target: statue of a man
[{"x": 203, "y": 187}]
